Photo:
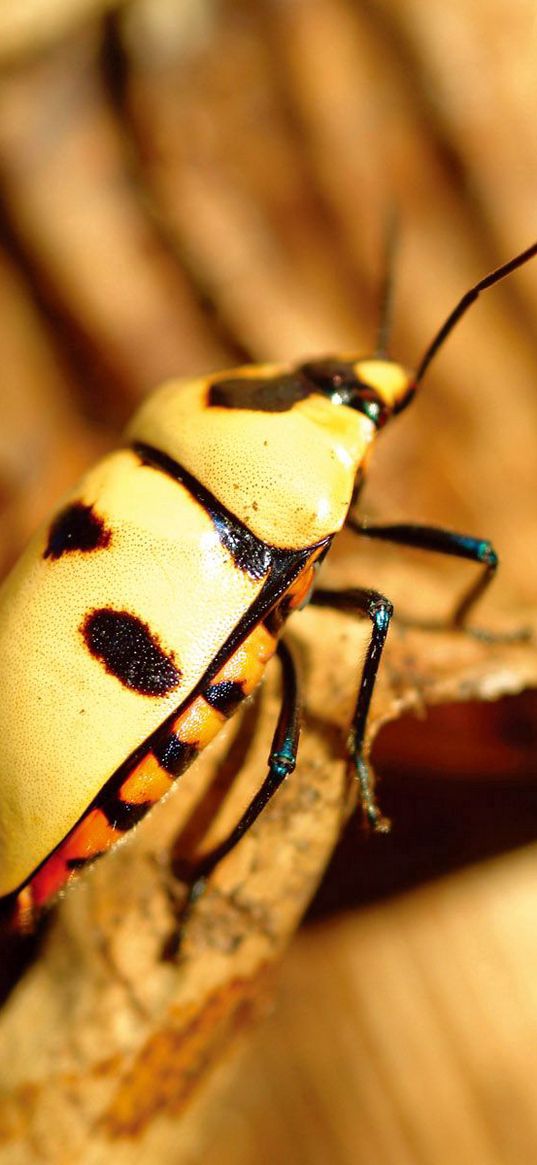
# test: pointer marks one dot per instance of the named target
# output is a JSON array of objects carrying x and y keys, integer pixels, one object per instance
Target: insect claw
[
  {"x": 378, "y": 822},
  {"x": 372, "y": 816}
]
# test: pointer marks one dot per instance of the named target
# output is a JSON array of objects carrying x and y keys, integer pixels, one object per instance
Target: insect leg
[
  {"x": 282, "y": 761},
  {"x": 379, "y": 610},
  {"x": 443, "y": 542}
]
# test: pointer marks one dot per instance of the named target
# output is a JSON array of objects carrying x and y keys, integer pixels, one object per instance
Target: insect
[{"x": 147, "y": 609}]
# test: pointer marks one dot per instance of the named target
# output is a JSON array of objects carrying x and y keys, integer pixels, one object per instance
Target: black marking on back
[
  {"x": 124, "y": 815},
  {"x": 331, "y": 377},
  {"x": 77, "y": 527},
  {"x": 225, "y": 696},
  {"x": 286, "y": 566},
  {"x": 267, "y": 394},
  {"x": 130, "y": 651},
  {"x": 174, "y": 755},
  {"x": 249, "y": 553}
]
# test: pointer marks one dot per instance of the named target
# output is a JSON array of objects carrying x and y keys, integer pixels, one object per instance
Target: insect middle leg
[
  {"x": 281, "y": 763},
  {"x": 380, "y": 610}
]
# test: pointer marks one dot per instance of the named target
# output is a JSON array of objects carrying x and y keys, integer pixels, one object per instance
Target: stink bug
[{"x": 152, "y": 602}]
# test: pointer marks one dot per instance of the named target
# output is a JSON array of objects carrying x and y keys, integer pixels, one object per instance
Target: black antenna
[
  {"x": 391, "y": 239},
  {"x": 465, "y": 303}
]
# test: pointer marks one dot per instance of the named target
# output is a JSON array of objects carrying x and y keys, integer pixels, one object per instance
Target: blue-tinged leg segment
[{"x": 442, "y": 542}]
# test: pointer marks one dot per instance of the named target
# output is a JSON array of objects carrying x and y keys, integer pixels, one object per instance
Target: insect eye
[
  {"x": 337, "y": 380},
  {"x": 375, "y": 409}
]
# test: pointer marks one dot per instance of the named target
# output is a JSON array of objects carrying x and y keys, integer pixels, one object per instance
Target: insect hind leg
[{"x": 281, "y": 763}]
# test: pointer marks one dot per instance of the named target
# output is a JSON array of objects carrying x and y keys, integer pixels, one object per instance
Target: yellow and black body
[
  {"x": 143, "y": 612},
  {"x": 147, "y": 608}
]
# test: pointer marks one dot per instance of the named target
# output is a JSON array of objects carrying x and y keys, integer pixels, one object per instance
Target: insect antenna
[
  {"x": 386, "y": 297},
  {"x": 467, "y": 300}
]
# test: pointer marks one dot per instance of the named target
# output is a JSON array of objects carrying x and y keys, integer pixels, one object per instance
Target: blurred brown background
[{"x": 188, "y": 184}]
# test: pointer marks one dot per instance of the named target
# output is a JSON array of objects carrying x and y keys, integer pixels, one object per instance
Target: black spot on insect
[
  {"x": 130, "y": 651},
  {"x": 225, "y": 696},
  {"x": 331, "y": 377},
  {"x": 77, "y": 527},
  {"x": 124, "y": 815},
  {"x": 174, "y": 755},
  {"x": 270, "y": 394}
]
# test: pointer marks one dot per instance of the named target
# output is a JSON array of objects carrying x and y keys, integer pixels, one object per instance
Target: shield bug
[{"x": 148, "y": 607}]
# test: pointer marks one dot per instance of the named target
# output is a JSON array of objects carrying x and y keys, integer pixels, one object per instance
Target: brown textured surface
[{"x": 180, "y": 185}]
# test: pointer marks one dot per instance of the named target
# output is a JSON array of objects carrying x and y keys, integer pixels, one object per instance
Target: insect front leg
[
  {"x": 441, "y": 541},
  {"x": 379, "y": 609}
]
